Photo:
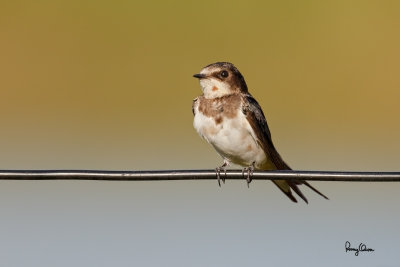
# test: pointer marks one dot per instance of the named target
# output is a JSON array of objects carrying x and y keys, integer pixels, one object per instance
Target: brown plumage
[
  {"x": 256, "y": 118},
  {"x": 236, "y": 115}
]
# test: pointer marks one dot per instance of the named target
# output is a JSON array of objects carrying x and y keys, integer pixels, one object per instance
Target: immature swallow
[{"x": 228, "y": 117}]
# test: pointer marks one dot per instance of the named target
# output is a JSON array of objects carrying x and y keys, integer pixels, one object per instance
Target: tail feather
[
  {"x": 297, "y": 190},
  {"x": 315, "y": 190},
  {"x": 286, "y": 185}
]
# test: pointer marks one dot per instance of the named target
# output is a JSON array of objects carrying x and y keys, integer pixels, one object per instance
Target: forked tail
[{"x": 286, "y": 185}]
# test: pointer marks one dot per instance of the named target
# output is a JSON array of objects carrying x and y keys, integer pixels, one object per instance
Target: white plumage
[{"x": 233, "y": 138}]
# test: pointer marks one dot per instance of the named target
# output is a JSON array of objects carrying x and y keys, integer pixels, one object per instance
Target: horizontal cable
[{"x": 197, "y": 175}]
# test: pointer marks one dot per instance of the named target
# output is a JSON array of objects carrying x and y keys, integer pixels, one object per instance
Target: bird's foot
[
  {"x": 249, "y": 170},
  {"x": 218, "y": 172}
]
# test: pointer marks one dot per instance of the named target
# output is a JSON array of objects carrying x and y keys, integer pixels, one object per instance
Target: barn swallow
[{"x": 228, "y": 117}]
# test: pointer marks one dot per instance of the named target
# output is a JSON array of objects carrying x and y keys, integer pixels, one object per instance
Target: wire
[{"x": 332, "y": 176}]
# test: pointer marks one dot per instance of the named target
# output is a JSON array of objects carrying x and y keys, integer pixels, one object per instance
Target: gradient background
[{"x": 108, "y": 85}]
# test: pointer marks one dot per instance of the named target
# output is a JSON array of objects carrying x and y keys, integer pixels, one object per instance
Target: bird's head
[{"x": 220, "y": 79}]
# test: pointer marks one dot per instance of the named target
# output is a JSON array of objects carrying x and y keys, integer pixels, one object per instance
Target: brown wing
[
  {"x": 256, "y": 118},
  {"x": 193, "y": 104}
]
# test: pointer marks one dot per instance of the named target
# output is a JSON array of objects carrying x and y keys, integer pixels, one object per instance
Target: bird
[{"x": 229, "y": 118}]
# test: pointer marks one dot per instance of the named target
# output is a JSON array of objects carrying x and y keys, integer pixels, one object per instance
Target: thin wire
[{"x": 332, "y": 176}]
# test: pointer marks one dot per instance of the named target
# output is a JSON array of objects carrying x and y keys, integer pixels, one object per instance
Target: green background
[{"x": 108, "y": 85}]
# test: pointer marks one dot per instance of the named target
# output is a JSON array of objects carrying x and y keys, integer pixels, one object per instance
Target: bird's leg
[
  {"x": 218, "y": 172},
  {"x": 249, "y": 171}
]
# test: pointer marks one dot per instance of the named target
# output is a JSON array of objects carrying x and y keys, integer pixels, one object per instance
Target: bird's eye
[{"x": 224, "y": 74}]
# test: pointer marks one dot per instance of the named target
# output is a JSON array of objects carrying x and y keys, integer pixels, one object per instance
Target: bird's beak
[{"x": 199, "y": 76}]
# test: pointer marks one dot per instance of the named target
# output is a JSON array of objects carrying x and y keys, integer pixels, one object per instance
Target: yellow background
[{"x": 108, "y": 85}]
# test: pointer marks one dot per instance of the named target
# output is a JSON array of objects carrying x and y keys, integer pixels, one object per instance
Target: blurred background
[{"x": 108, "y": 85}]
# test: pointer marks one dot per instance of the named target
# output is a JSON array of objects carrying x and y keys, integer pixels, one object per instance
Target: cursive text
[{"x": 361, "y": 248}]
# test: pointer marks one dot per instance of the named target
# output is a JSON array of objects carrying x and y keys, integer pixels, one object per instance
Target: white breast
[{"x": 233, "y": 138}]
